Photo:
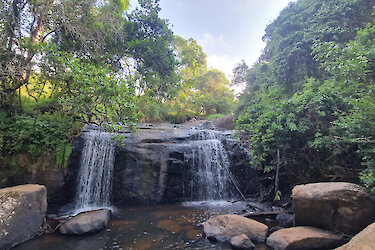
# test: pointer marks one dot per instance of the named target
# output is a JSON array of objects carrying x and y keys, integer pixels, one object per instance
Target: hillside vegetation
[{"x": 308, "y": 111}]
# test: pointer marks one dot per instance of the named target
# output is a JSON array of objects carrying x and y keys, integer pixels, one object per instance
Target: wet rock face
[
  {"x": 86, "y": 222},
  {"x": 140, "y": 173},
  {"x": 337, "y": 206},
  {"x": 22, "y": 212},
  {"x": 155, "y": 165}
]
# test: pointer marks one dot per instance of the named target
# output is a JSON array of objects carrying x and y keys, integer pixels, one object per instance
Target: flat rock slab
[
  {"x": 304, "y": 238},
  {"x": 224, "y": 227},
  {"x": 334, "y": 206},
  {"x": 86, "y": 222},
  {"x": 22, "y": 212},
  {"x": 365, "y": 240}
]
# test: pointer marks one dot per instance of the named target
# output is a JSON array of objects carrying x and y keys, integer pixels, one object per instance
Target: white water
[
  {"x": 96, "y": 171},
  {"x": 211, "y": 178}
]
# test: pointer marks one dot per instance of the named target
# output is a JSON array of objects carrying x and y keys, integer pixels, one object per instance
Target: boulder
[
  {"x": 365, "y": 240},
  {"x": 335, "y": 206},
  {"x": 224, "y": 227},
  {"x": 241, "y": 242},
  {"x": 22, "y": 212},
  {"x": 86, "y": 222},
  {"x": 303, "y": 238}
]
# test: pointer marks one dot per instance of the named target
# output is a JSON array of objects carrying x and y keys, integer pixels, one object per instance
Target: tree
[
  {"x": 290, "y": 38},
  {"x": 352, "y": 67},
  {"x": 310, "y": 95},
  {"x": 77, "y": 61},
  {"x": 211, "y": 93}
]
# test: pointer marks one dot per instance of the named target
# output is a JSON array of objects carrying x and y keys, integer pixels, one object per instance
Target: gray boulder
[
  {"x": 241, "y": 242},
  {"x": 86, "y": 222},
  {"x": 224, "y": 227},
  {"x": 365, "y": 240},
  {"x": 303, "y": 238},
  {"x": 22, "y": 212},
  {"x": 335, "y": 206}
]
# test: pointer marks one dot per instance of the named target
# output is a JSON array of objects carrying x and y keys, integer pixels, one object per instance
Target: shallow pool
[{"x": 176, "y": 226}]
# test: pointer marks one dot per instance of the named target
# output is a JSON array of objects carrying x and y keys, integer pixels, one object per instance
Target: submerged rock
[
  {"x": 241, "y": 242},
  {"x": 224, "y": 227},
  {"x": 364, "y": 240},
  {"x": 303, "y": 238},
  {"x": 86, "y": 222},
  {"x": 336, "y": 206},
  {"x": 22, "y": 212}
]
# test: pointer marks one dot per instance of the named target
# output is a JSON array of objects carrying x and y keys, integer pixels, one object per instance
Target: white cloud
[{"x": 210, "y": 41}]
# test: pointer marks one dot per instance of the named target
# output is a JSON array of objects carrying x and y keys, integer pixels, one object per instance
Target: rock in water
[
  {"x": 365, "y": 240},
  {"x": 224, "y": 227},
  {"x": 335, "y": 206},
  {"x": 22, "y": 212},
  {"x": 86, "y": 222},
  {"x": 303, "y": 238},
  {"x": 242, "y": 242}
]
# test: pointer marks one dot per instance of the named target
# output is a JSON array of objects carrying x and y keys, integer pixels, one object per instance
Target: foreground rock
[
  {"x": 224, "y": 227},
  {"x": 86, "y": 222},
  {"x": 365, "y": 240},
  {"x": 336, "y": 206},
  {"x": 242, "y": 242},
  {"x": 304, "y": 238},
  {"x": 22, "y": 212}
]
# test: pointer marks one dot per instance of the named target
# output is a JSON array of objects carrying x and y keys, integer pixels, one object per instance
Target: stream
[{"x": 170, "y": 226}]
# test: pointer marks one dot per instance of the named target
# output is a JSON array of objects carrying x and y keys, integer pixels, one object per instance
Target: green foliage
[
  {"x": 62, "y": 154},
  {"x": 298, "y": 127},
  {"x": 323, "y": 122},
  {"x": 201, "y": 92},
  {"x": 211, "y": 94},
  {"x": 291, "y": 36},
  {"x": 67, "y": 63},
  {"x": 36, "y": 135},
  {"x": 277, "y": 195}
]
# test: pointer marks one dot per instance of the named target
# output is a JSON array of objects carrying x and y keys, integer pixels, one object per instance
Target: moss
[{"x": 148, "y": 180}]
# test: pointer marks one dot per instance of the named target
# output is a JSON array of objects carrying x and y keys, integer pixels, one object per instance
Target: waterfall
[
  {"x": 96, "y": 170},
  {"x": 211, "y": 178}
]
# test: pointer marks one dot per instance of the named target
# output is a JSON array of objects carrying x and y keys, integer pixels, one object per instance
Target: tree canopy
[
  {"x": 68, "y": 63},
  {"x": 308, "y": 106}
]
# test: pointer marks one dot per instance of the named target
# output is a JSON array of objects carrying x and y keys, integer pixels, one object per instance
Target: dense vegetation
[
  {"x": 197, "y": 92},
  {"x": 308, "y": 111},
  {"x": 67, "y": 63}
]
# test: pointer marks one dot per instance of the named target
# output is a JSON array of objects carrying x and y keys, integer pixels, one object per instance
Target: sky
[{"x": 228, "y": 30}]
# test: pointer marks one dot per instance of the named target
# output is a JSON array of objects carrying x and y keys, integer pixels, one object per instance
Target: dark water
[{"x": 154, "y": 227}]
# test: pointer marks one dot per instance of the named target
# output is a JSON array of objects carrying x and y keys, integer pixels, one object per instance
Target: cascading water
[
  {"x": 96, "y": 170},
  {"x": 211, "y": 178}
]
